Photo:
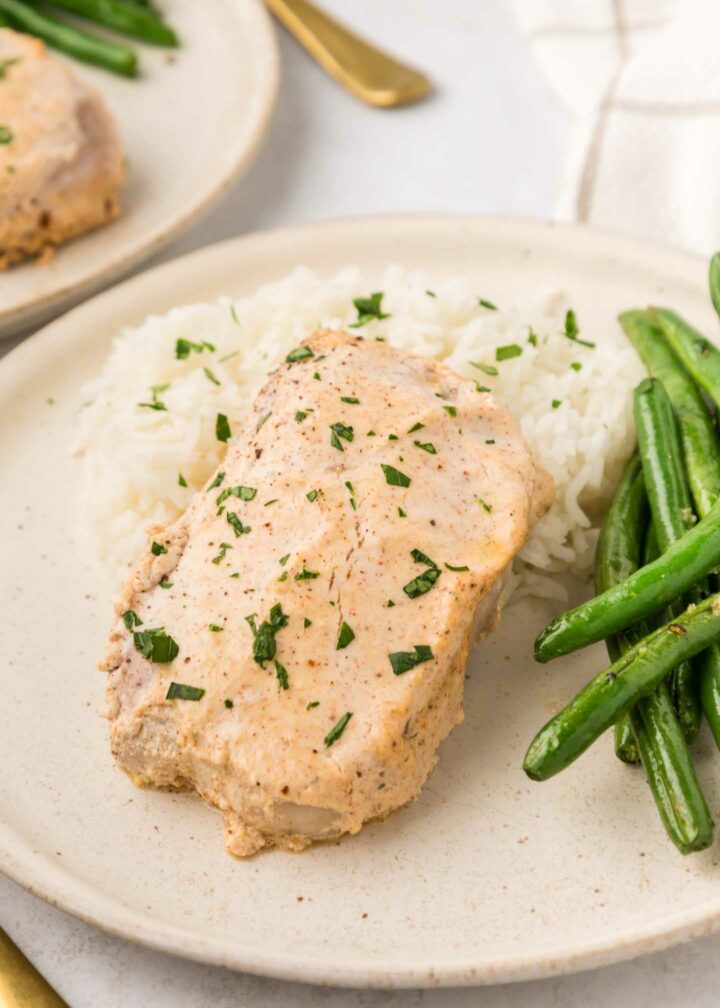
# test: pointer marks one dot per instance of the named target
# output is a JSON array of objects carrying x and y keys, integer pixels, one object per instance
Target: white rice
[{"x": 132, "y": 456}]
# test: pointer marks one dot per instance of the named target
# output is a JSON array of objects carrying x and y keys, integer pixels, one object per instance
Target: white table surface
[{"x": 491, "y": 140}]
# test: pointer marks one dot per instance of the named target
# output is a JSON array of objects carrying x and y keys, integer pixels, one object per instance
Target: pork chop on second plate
[
  {"x": 61, "y": 163},
  {"x": 294, "y": 647}
]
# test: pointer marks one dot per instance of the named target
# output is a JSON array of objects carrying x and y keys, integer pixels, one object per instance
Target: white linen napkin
[{"x": 643, "y": 79}]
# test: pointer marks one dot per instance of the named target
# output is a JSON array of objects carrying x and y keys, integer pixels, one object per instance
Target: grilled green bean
[
  {"x": 670, "y": 772},
  {"x": 669, "y": 497},
  {"x": 699, "y": 355},
  {"x": 649, "y": 590},
  {"x": 69, "y": 39},
  {"x": 617, "y": 556},
  {"x": 701, "y": 447},
  {"x": 613, "y": 692},
  {"x": 701, "y": 450},
  {"x": 128, "y": 18}
]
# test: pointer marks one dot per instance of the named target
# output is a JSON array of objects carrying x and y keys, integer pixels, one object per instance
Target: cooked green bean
[
  {"x": 698, "y": 434},
  {"x": 670, "y": 773},
  {"x": 701, "y": 449},
  {"x": 128, "y": 18},
  {"x": 617, "y": 556},
  {"x": 662, "y": 463},
  {"x": 699, "y": 355},
  {"x": 613, "y": 692},
  {"x": 69, "y": 39},
  {"x": 685, "y": 563},
  {"x": 715, "y": 281},
  {"x": 669, "y": 497}
]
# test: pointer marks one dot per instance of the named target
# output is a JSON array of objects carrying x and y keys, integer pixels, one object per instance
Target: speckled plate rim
[
  {"x": 34, "y": 872},
  {"x": 234, "y": 163}
]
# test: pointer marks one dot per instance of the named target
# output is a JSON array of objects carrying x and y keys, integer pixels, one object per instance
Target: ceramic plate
[
  {"x": 189, "y": 126},
  {"x": 487, "y": 877}
]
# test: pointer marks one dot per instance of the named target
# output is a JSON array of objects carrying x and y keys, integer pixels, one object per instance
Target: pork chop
[
  {"x": 61, "y": 163},
  {"x": 322, "y": 593}
]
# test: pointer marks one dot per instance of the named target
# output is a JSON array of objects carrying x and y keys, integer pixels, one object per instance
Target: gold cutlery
[
  {"x": 21, "y": 986},
  {"x": 362, "y": 68}
]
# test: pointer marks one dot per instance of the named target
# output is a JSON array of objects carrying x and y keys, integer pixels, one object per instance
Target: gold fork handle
[
  {"x": 369, "y": 73},
  {"x": 21, "y": 986}
]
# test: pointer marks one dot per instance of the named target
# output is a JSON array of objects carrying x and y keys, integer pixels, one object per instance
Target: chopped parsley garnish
[
  {"x": 131, "y": 619},
  {"x": 156, "y": 404},
  {"x": 264, "y": 644},
  {"x": 484, "y": 505},
  {"x": 425, "y": 581},
  {"x": 229, "y": 704},
  {"x": 233, "y": 313},
  {"x": 393, "y": 437},
  {"x": 273, "y": 501},
  {"x": 222, "y": 428},
  {"x": 416, "y": 427},
  {"x": 300, "y": 353},
  {"x": 156, "y": 645},
  {"x": 262, "y": 421},
  {"x": 224, "y": 547},
  {"x": 6, "y": 135},
  {"x": 282, "y": 676},
  {"x": 179, "y": 691},
  {"x": 351, "y": 491},
  {"x": 243, "y": 493},
  {"x": 307, "y": 622},
  {"x": 401, "y": 513},
  {"x": 345, "y": 637},
  {"x": 237, "y": 526},
  {"x": 6, "y": 64},
  {"x": 157, "y": 549},
  {"x": 306, "y": 575},
  {"x": 214, "y": 628},
  {"x": 183, "y": 348},
  {"x": 312, "y": 495},
  {"x": 457, "y": 569},
  {"x": 283, "y": 576},
  {"x": 576, "y": 366},
  {"x": 394, "y": 477},
  {"x": 427, "y": 446},
  {"x": 532, "y": 337},
  {"x": 368, "y": 308},
  {"x": 300, "y": 416},
  {"x": 489, "y": 440},
  {"x": 484, "y": 303},
  {"x": 556, "y": 403},
  {"x": 508, "y": 352},
  {"x": 284, "y": 559},
  {"x": 451, "y": 410},
  {"x": 487, "y": 369},
  {"x": 164, "y": 584},
  {"x": 403, "y": 661},
  {"x": 431, "y": 293},
  {"x": 572, "y": 330},
  {"x": 317, "y": 376},
  {"x": 339, "y": 430},
  {"x": 312, "y": 704},
  {"x": 371, "y": 433},
  {"x": 181, "y": 480},
  {"x": 353, "y": 400},
  {"x": 217, "y": 481},
  {"x": 210, "y": 376},
  {"x": 334, "y": 734},
  {"x": 481, "y": 388},
  {"x": 390, "y": 604}
]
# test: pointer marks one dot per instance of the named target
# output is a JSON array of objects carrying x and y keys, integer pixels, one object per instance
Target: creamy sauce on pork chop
[{"x": 323, "y": 592}]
